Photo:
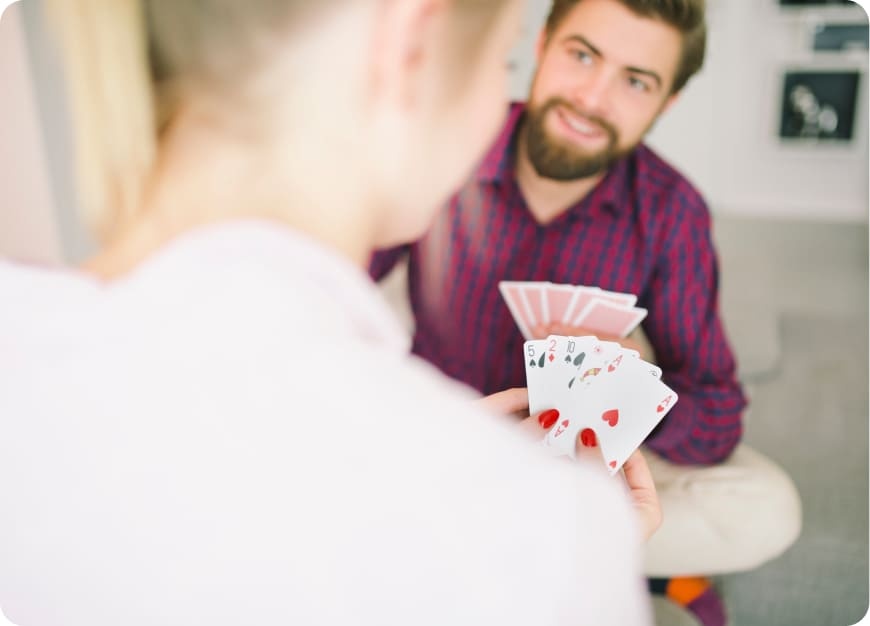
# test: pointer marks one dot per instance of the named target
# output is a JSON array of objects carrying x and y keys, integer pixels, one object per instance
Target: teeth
[{"x": 580, "y": 127}]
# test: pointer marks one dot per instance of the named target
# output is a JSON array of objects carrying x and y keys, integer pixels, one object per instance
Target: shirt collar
[{"x": 498, "y": 166}]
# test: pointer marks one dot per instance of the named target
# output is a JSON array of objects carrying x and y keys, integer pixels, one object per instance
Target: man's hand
[
  {"x": 635, "y": 341},
  {"x": 643, "y": 493}
]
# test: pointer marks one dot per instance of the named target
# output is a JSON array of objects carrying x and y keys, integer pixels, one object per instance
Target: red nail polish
[
  {"x": 587, "y": 438},
  {"x": 548, "y": 418}
]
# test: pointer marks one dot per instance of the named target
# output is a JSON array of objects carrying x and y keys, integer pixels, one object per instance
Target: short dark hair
[{"x": 687, "y": 16}]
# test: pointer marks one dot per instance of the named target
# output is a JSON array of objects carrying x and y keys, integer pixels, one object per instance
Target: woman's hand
[
  {"x": 513, "y": 402},
  {"x": 638, "y": 479}
]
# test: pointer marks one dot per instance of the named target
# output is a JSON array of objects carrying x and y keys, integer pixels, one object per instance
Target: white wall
[
  {"x": 27, "y": 217},
  {"x": 723, "y": 132}
]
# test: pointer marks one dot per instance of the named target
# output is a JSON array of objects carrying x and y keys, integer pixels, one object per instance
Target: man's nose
[{"x": 594, "y": 94}]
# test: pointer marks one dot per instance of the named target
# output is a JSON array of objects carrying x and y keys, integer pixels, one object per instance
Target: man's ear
[{"x": 404, "y": 36}]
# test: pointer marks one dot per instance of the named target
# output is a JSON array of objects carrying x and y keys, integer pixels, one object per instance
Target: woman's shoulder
[{"x": 32, "y": 291}]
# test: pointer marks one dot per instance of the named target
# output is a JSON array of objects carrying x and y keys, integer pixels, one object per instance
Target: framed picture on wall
[
  {"x": 819, "y": 105},
  {"x": 847, "y": 10},
  {"x": 813, "y": 3}
]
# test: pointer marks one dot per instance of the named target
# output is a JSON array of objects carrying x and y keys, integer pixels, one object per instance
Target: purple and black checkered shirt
[{"x": 643, "y": 229}]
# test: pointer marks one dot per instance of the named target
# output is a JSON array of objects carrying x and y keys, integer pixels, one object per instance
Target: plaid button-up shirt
[{"x": 643, "y": 229}]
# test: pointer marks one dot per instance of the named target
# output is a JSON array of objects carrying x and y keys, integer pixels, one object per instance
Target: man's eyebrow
[
  {"x": 585, "y": 42},
  {"x": 634, "y": 70},
  {"x": 645, "y": 72}
]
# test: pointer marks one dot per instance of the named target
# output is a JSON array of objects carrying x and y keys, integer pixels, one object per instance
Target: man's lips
[{"x": 580, "y": 127}]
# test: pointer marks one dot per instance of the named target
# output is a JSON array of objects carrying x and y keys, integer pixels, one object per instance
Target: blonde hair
[
  {"x": 130, "y": 62},
  {"x": 112, "y": 105}
]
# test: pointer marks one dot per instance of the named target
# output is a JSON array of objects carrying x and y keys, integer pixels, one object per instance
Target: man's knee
[
  {"x": 724, "y": 518},
  {"x": 772, "y": 519}
]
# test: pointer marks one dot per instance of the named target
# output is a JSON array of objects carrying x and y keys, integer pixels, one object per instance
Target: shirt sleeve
[
  {"x": 383, "y": 261},
  {"x": 686, "y": 333}
]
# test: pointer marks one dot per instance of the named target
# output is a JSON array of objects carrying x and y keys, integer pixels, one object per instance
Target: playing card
[
  {"x": 654, "y": 370},
  {"x": 574, "y": 384},
  {"x": 565, "y": 394},
  {"x": 625, "y": 300},
  {"x": 537, "y": 365},
  {"x": 585, "y": 296},
  {"x": 600, "y": 353},
  {"x": 574, "y": 357},
  {"x": 515, "y": 298},
  {"x": 536, "y": 301},
  {"x": 560, "y": 301},
  {"x": 549, "y": 363},
  {"x": 610, "y": 319},
  {"x": 624, "y": 406}
]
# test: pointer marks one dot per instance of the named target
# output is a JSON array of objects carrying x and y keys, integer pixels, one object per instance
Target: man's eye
[
  {"x": 637, "y": 84},
  {"x": 583, "y": 56}
]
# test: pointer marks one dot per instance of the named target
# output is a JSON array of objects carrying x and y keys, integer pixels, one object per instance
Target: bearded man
[{"x": 570, "y": 194}]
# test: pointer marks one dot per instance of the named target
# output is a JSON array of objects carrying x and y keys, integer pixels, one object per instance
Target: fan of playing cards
[
  {"x": 597, "y": 385},
  {"x": 597, "y": 310}
]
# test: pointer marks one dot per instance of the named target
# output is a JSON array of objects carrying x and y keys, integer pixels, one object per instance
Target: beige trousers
[{"x": 724, "y": 518}]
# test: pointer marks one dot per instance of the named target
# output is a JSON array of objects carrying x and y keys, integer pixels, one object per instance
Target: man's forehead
[{"x": 621, "y": 36}]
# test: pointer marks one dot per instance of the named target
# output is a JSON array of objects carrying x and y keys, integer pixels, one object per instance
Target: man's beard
[{"x": 554, "y": 159}]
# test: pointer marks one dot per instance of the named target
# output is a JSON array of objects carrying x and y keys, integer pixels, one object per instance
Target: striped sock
[{"x": 696, "y": 595}]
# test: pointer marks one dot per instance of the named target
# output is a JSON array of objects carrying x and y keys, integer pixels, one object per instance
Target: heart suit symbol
[{"x": 611, "y": 417}]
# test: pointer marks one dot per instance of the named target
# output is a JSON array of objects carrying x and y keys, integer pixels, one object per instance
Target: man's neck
[{"x": 546, "y": 198}]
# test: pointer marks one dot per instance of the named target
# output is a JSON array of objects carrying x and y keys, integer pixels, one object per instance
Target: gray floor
[{"x": 795, "y": 302}]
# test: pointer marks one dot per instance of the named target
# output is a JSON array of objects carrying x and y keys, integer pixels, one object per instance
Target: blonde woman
[{"x": 217, "y": 420}]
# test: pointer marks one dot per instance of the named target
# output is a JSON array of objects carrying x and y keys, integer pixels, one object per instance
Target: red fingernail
[
  {"x": 548, "y": 418},
  {"x": 587, "y": 438}
]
